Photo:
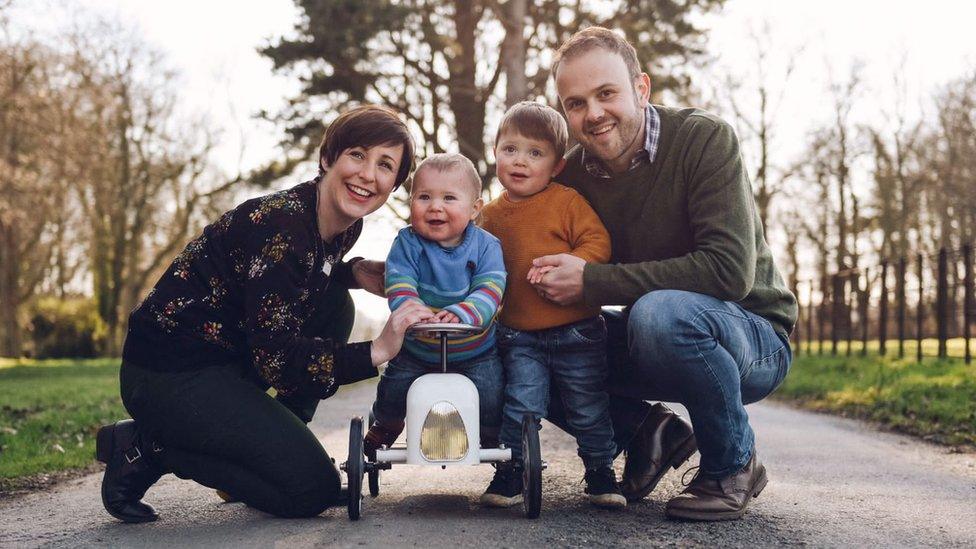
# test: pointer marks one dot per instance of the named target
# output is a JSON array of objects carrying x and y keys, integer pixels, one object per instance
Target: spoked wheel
[
  {"x": 373, "y": 472},
  {"x": 355, "y": 468},
  {"x": 531, "y": 468}
]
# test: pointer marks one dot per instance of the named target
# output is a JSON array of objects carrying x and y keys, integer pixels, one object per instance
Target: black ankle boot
[{"x": 131, "y": 468}]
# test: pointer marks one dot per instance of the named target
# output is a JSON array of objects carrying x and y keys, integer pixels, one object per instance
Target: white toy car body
[{"x": 442, "y": 429}]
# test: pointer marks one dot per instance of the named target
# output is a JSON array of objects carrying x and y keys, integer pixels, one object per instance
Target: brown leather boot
[
  {"x": 725, "y": 499},
  {"x": 664, "y": 440}
]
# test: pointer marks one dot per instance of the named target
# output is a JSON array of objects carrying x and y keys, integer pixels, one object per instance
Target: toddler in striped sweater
[{"x": 456, "y": 268}]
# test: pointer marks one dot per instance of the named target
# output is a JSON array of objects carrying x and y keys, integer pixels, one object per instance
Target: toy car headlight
[{"x": 443, "y": 437}]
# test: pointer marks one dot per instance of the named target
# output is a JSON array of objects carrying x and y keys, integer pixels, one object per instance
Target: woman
[{"x": 259, "y": 299}]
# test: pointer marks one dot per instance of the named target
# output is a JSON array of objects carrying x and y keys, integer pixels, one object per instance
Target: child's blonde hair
[{"x": 446, "y": 162}]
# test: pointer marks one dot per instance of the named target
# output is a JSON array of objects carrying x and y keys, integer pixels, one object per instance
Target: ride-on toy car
[{"x": 443, "y": 429}]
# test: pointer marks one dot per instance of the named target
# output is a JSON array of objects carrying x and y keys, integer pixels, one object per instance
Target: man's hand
[
  {"x": 563, "y": 284},
  {"x": 370, "y": 275}
]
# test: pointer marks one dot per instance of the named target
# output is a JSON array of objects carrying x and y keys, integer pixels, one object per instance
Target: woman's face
[{"x": 360, "y": 180}]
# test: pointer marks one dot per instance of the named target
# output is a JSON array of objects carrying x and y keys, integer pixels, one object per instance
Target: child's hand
[
  {"x": 446, "y": 317},
  {"x": 536, "y": 273}
]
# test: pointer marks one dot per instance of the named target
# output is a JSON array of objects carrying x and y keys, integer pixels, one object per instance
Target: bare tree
[
  {"x": 141, "y": 176},
  {"x": 755, "y": 99},
  {"x": 30, "y": 193}
]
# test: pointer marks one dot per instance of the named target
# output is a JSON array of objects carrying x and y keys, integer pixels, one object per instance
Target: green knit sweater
[{"x": 686, "y": 221}]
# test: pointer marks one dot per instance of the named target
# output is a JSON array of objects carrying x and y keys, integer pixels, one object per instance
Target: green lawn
[
  {"x": 955, "y": 347},
  {"x": 50, "y": 411},
  {"x": 935, "y": 399}
]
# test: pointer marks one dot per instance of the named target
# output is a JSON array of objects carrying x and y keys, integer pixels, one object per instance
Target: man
[{"x": 707, "y": 314}]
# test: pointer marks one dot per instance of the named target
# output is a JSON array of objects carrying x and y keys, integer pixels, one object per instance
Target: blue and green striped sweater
[{"x": 468, "y": 280}]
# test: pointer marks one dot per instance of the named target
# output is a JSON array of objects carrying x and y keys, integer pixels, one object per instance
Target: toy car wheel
[
  {"x": 374, "y": 481},
  {"x": 531, "y": 468},
  {"x": 355, "y": 468},
  {"x": 373, "y": 472}
]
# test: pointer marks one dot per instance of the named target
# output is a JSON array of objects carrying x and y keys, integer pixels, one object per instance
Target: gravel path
[{"x": 833, "y": 482}]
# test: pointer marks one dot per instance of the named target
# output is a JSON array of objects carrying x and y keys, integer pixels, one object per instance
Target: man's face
[{"x": 604, "y": 107}]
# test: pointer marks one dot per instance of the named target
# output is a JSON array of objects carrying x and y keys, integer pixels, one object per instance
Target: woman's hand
[
  {"x": 388, "y": 344},
  {"x": 370, "y": 275}
]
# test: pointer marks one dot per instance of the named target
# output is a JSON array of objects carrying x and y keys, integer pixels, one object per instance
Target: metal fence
[{"x": 922, "y": 305}]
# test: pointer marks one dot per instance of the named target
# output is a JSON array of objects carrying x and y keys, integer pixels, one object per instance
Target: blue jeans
[
  {"x": 574, "y": 356},
  {"x": 712, "y": 356},
  {"x": 485, "y": 371}
]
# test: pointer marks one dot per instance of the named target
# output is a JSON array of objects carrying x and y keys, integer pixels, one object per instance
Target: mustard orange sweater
[{"x": 556, "y": 220}]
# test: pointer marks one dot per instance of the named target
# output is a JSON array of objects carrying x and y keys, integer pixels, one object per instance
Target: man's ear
[
  {"x": 642, "y": 88},
  {"x": 559, "y": 167},
  {"x": 323, "y": 165}
]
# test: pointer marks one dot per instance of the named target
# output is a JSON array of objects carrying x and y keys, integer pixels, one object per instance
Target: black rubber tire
[
  {"x": 531, "y": 468},
  {"x": 374, "y": 481},
  {"x": 373, "y": 473},
  {"x": 355, "y": 468}
]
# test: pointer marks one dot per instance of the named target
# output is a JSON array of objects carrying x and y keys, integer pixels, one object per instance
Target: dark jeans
[
  {"x": 574, "y": 356},
  {"x": 712, "y": 356},
  {"x": 219, "y": 427},
  {"x": 485, "y": 371}
]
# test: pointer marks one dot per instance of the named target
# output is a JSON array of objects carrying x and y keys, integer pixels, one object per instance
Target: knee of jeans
[
  {"x": 312, "y": 499},
  {"x": 662, "y": 321}
]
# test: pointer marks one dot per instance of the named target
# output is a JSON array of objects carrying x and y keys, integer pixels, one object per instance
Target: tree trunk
[
  {"x": 10, "y": 340},
  {"x": 466, "y": 102},
  {"x": 513, "y": 53}
]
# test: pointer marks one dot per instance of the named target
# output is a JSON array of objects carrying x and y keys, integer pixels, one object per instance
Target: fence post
[
  {"x": 920, "y": 309},
  {"x": 850, "y": 285},
  {"x": 863, "y": 314},
  {"x": 942, "y": 302},
  {"x": 967, "y": 308},
  {"x": 883, "y": 310},
  {"x": 902, "y": 268},
  {"x": 820, "y": 316},
  {"x": 800, "y": 310},
  {"x": 837, "y": 291},
  {"x": 810, "y": 310}
]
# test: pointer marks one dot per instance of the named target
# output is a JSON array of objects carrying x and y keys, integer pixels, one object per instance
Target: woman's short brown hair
[
  {"x": 536, "y": 121},
  {"x": 368, "y": 126}
]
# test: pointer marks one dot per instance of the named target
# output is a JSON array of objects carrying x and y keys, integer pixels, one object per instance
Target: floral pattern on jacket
[{"x": 245, "y": 290}]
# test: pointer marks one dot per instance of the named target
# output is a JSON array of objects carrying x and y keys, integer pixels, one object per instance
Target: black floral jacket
[{"x": 245, "y": 292}]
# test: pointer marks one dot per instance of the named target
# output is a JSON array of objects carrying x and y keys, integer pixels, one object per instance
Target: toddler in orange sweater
[{"x": 537, "y": 339}]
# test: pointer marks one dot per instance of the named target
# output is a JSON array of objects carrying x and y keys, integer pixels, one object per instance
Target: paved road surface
[{"x": 833, "y": 482}]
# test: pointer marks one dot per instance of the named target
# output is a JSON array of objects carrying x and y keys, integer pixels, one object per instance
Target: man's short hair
[
  {"x": 591, "y": 38},
  {"x": 536, "y": 121},
  {"x": 368, "y": 126},
  {"x": 448, "y": 162}
]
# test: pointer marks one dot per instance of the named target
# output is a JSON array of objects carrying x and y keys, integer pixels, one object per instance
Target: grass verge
[
  {"x": 935, "y": 399},
  {"x": 49, "y": 413}
]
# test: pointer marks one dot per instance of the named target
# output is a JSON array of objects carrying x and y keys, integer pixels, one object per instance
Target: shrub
[{"x": 68, "y": 327}]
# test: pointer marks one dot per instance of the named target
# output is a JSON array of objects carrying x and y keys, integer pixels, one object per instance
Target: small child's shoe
[
  {"x": 505, "y": 489},
  {"x": 379, "y": 436},
  {"x": 601, "y": 487}
]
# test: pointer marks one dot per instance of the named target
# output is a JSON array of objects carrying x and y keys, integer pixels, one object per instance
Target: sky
[{"x": 213, "y": 43}]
